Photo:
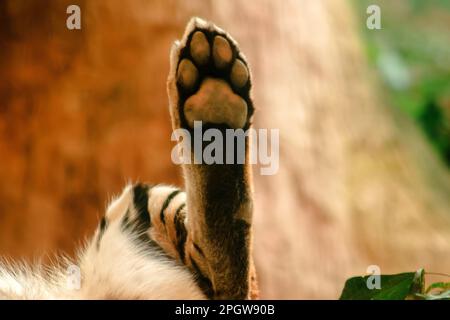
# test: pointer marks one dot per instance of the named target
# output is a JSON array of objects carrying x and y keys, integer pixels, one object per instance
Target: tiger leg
[{"x": 209, "y": 81}]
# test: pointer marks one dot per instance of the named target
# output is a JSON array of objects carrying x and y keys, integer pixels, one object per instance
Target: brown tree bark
[{"x": 82, "y": 112}]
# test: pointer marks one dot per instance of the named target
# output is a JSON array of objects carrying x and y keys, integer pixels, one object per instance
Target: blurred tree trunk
[
  {"x": 82, "y": 111},
  {"x": 357, "y": 183}
]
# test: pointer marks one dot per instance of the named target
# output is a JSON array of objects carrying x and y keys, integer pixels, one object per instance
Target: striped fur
[{"x": 159, "y": 242}]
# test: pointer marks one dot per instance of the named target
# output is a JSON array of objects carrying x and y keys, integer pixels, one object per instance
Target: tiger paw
[{"x": 212, "y": 78}]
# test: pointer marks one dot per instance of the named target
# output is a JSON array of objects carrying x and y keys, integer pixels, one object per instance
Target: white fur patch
[{"x": 120, "y": 267}]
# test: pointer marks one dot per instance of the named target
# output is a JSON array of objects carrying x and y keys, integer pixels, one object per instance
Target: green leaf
[
  {"x": 393, "y": 287},
  {"x": 442, "y": 296},
  {"x": 439, "y": 285}
]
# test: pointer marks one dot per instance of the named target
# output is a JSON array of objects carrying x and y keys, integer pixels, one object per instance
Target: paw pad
[
  {"x": 213, "y": 80},
  {"x": 221, "y": 52},
  {"x": 187, "y": 74},
  {"x": 200, "y": 48},
  {"x": 239, "y": 74}
]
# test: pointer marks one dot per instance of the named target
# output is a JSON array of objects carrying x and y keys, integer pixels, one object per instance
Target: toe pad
[{"x": 216, "y": 103}]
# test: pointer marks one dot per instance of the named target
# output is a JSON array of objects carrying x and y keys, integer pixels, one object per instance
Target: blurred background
[{"x": 363, "y": 116}]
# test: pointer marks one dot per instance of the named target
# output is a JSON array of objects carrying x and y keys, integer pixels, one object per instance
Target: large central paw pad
[{"x": 213, "y": 80}]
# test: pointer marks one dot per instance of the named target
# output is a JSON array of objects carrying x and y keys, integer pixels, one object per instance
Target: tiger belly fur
[{"x": 119, "y": 262}]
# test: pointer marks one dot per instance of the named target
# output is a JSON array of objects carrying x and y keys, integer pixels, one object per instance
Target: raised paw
[{"x": 212, "y": 78}]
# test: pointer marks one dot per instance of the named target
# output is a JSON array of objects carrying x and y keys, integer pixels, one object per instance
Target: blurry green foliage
[
  {"x": 412, "y": 55},
  {"x": 402, "y": 286}
]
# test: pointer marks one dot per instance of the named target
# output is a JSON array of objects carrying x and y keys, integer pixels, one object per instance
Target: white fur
[{"x": 119, "y": 268}]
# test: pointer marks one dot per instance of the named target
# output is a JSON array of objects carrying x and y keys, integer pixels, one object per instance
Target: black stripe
[
  {"x": 203, "y": 281},
  {"x": 140, "y": 200},
  {"x": 178, "y": 221},
  {"x": 177, "y": 213},
  {"x": 166, "y": 204},
  {"x": 196, "y": 246},
  {"x": 103, "y": 225},
  {"x": 126, "y": 224}
]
